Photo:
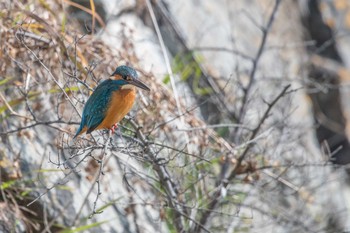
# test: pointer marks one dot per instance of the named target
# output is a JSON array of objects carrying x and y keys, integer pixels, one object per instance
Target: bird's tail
[{"x": 79, "y": 131}]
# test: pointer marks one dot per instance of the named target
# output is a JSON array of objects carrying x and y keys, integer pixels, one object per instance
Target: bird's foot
[{"x": 114, "y": 127}]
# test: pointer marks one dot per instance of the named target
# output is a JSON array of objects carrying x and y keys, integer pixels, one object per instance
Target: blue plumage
[
  {"x": 110, "y": 101},
  {"x": 97, "y": 105},
  {"x": 125, "y": 71}
]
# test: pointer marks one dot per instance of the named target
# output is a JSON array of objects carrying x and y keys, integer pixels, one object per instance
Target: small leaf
[
  {"x": 166, "y": 79},
  {"x": 83, "y": 228},
  {"x": 7, "y": 184}
]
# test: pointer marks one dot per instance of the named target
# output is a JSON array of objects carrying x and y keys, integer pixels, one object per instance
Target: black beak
[{"x": 139, "y": 84}]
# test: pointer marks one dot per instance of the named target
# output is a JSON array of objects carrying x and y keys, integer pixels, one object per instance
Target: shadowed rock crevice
[{"x": 323, "y": 86}]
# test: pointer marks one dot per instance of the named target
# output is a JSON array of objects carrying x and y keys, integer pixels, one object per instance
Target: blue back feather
[{"x": 97, "y": 105}]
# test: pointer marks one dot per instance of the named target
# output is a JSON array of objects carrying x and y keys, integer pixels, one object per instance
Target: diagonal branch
[
  {"x": 256, "y": 130},
  {"x": 265, "y": 31},
  {"x": 223, "y": 184},
  {"x": 165, "y": 179}
]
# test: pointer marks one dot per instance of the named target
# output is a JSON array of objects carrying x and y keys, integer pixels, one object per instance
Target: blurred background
[{"x": 245, "y": 128}]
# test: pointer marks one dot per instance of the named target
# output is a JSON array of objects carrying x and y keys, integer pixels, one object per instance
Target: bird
[{"x": 110, "y": 101}]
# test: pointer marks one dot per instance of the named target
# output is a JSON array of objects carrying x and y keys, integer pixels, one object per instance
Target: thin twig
[
  {"x": 12, "y": 112},
  {"x": 216, "y": 195},
  {"x": 256, "y": 130},
  {"x": 165, "y": 180},
  {"x": 99, "y": 173},
  {"x": 25, "y": 33},
  {"x": 52, "y": 77},
  {"x": 93, "y": 10},
  {"x": 87, "y": 10},
  {"x": 265, "y": 31},
  {"x": 221, "y": 49},
  {"x": 37, "y": 123}
]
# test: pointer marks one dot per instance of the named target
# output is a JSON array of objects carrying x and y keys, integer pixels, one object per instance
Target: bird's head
[{"x": 130, "y": 78}]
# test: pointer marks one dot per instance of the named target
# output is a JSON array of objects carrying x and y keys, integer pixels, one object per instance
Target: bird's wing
[{"x": 97, "y": 105}]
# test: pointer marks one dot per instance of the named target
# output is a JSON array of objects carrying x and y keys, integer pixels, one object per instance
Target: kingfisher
[{"x": 111, "y": 101}]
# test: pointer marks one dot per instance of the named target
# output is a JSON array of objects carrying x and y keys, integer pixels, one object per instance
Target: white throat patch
[{"x": 128, "y": 87}]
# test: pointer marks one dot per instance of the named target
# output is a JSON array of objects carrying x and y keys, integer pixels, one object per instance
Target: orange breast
[{"x": 121, "y": 103}]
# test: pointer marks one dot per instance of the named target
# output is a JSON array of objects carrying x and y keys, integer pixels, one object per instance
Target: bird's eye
[{"x": 128, "y": 78}]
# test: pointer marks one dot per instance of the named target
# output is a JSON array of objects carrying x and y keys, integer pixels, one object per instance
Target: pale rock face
[
  {"x": 233, "y": 26},
  {"x": 222, "y": 25}
]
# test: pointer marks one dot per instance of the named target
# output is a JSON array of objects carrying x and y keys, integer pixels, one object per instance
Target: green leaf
[
  {"x": 48, "y": 170},
  {"x": 7, "y": 184},
  {"x": 4, "y": 81},
  {"x": 83, "y": 228},
  {"x": 25, "y": 193},
  {"x": 63, "y": 23},
  {"x": 34, "y": 94},
  {"x": 166, "y": 79}
]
